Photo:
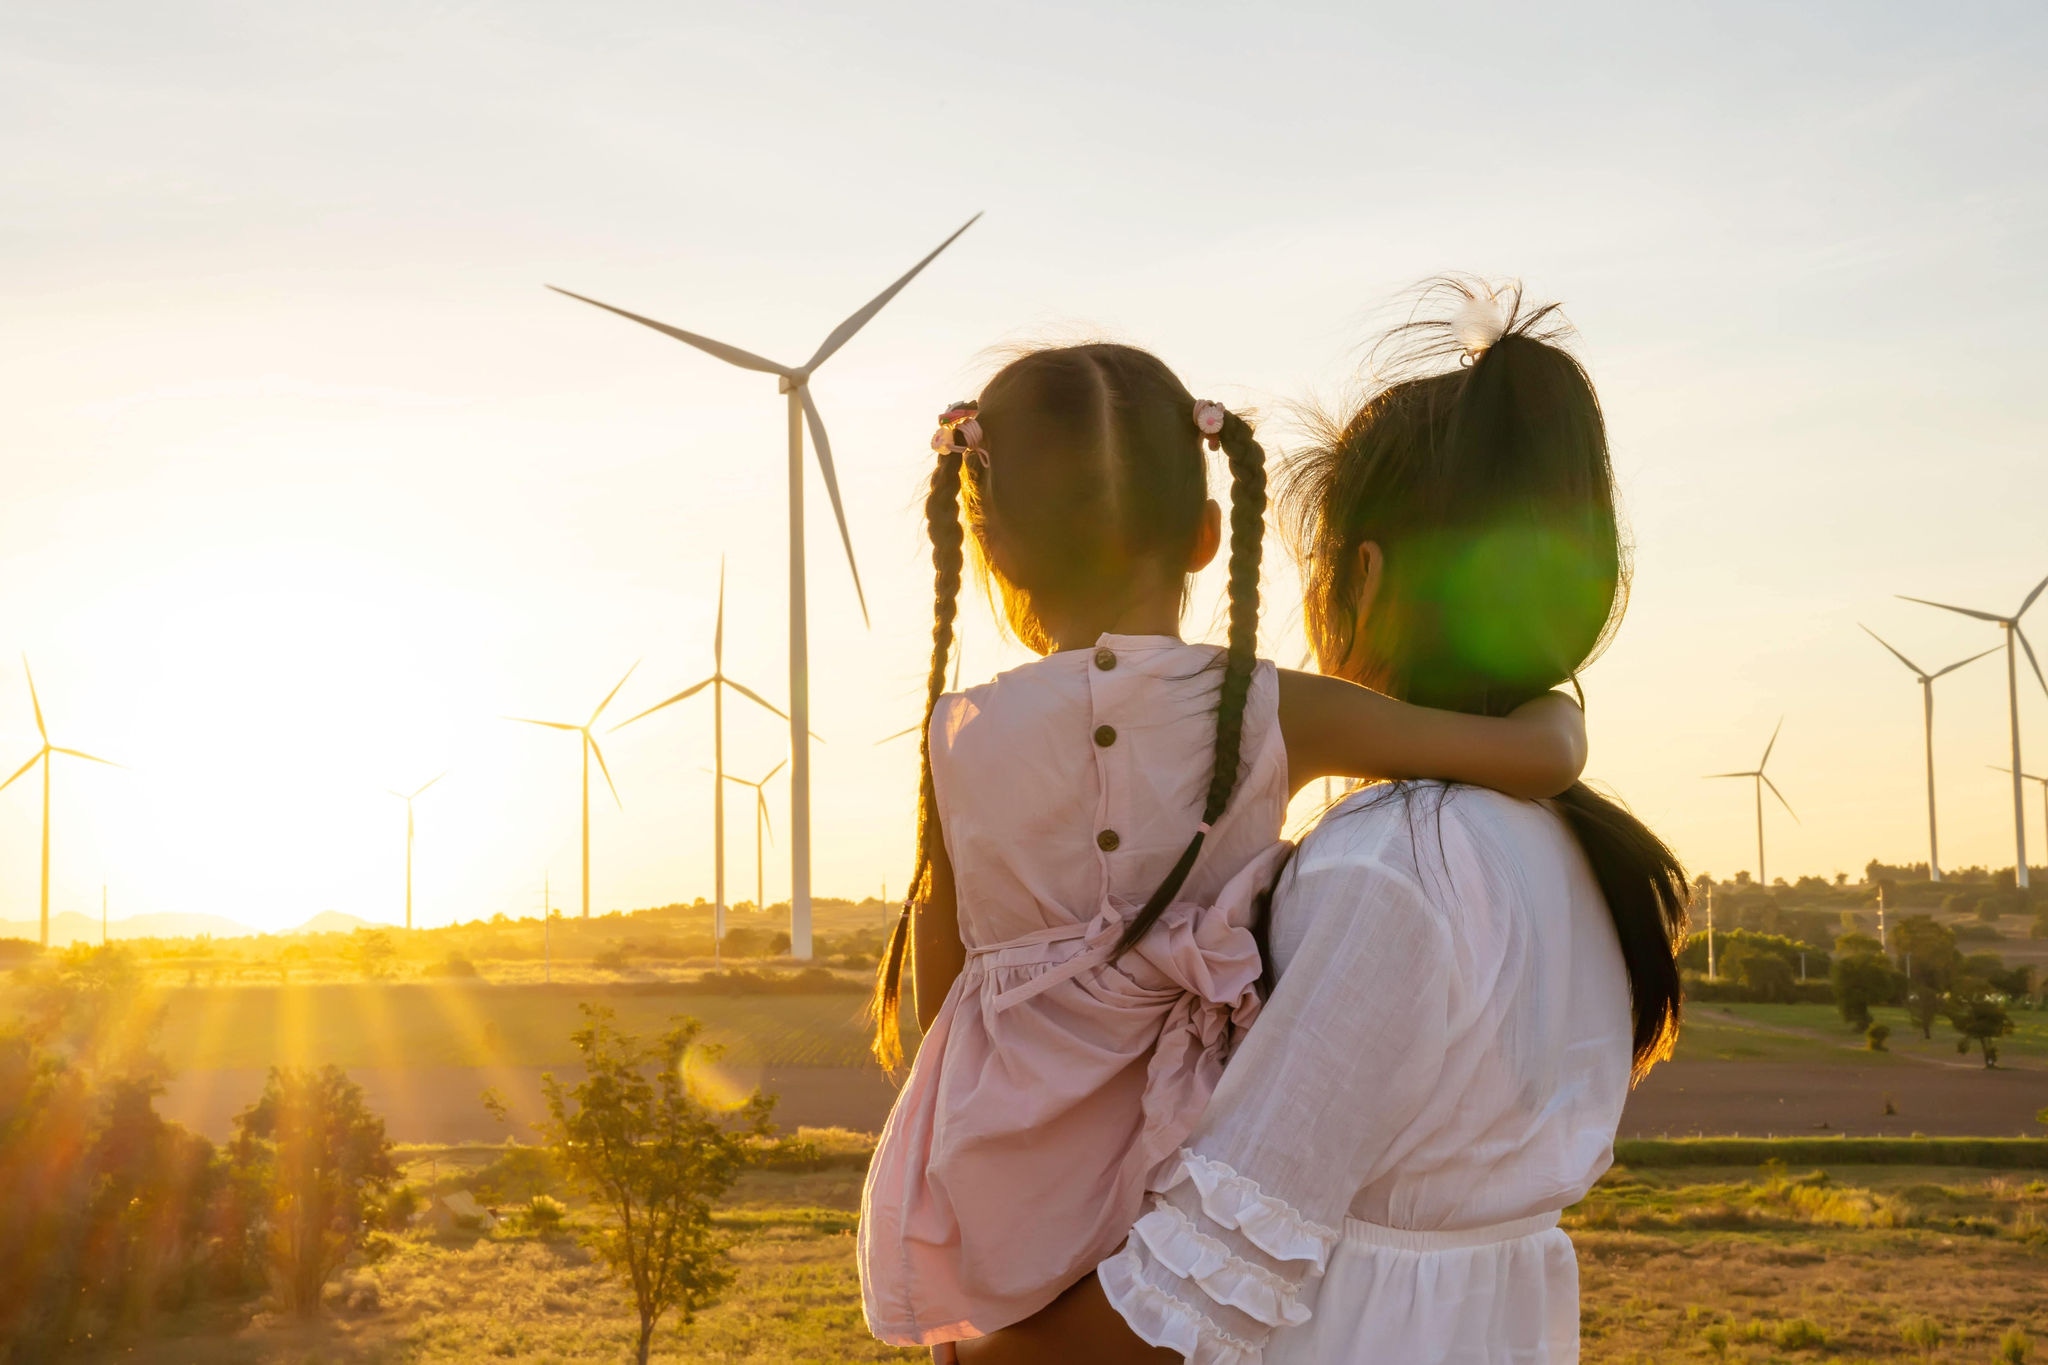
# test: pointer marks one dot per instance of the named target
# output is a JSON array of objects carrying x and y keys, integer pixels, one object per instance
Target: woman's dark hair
[
  {"x": 1090, "y": 471},
  {"x": 1480, "y": 468}
]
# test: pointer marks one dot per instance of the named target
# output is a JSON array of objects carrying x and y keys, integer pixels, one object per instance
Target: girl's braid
[
  {"x": 1247, "y": 542},
  {"x": 942, "y": 523}
]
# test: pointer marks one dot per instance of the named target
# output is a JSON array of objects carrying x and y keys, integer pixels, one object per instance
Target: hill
[{"x": 69, "y": 926}]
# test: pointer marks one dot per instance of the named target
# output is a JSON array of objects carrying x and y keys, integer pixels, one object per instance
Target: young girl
[{"x": 1094, "y": 829}]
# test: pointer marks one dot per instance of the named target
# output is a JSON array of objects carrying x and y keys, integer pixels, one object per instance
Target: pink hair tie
[
  {"x": 959, "y": 432},
  {"x": 1204, "y": 828},
  {"x": 1209, "y": 421}
]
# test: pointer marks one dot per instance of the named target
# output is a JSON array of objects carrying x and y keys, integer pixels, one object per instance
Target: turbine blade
[
  {"x": 913, "y": 729},
  {"x": 1966, "y": 611},
  {"x": 608, "y": 697},
  {"x": 718, "y": 632},
  {"x": 1781, "y": 799},
  {"x": 437, "y": 778},
  {"x": 731, "y": 355},
  {"x": 761, "y": 799},
  {"x": 550, "y": 724},
  {"x": 772, "y": 771},
  {"x": 2030, "y": 599},
  {"x": 2028, "y": 646},
  {"x": 34, "y": 700},
  {"x": 845, "y": 330},
  {"x": 19, "y": 771},
  {"x": 683, "y": 695},
  {"x": 80, "y": 753},
  {"x": 1709, "y": 776},
  {"x": 824, "y": 449},
  {"x": 755, "y": 697},
  {"x": 1917, "y": 670},
  {"x": 591, "y": 740},
  {"x": 1972, "y": 659},
  {"x": 1765, "y": 761}
]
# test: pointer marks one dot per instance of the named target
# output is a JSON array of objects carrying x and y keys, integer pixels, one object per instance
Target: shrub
[
  {"x": 2014, "y": 1348},
  {"x": 1797, "y": 1334},
  {"x": 455, "y": 964},
  {"x": 544, "y": 1216},
  {"x": 1874, "y": 1036}
]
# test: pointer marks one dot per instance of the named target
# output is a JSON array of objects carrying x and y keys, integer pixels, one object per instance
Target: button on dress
[{"x": 1054, "y": 1083}]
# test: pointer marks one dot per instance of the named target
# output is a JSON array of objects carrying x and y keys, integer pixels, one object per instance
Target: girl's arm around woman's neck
[{"x": 1336, "y": 728}]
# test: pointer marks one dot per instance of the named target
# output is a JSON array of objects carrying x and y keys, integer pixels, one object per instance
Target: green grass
[
  {"x": 481, "y": 1026},
  {"x": 2028, "y": 1041},
  {"x": 1849, "y": 1264},
  {"x": 1981, "y": 1153}
]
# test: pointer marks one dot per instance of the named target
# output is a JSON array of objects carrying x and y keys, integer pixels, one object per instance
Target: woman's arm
[
  {"x": 1335, "y": 728},
  {"x": 937, "y": 954}
]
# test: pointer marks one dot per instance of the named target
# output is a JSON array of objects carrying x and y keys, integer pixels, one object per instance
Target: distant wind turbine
[
  {"x": 1927, "y": 699},
  {"x": 914, "y": 729},
  {"x": 1761, "y": 782},
  {"x": 760, "y": 826},
  {"x": 2011, "y": 626},
  {"x": 2044, "y": 794},
  {"x": 795, "y": 381},
  {"x": 589, "y": 747},
  {"x": 44, "y": 756},
  {"x": 409, "y": 799},
  {"x": 717, "y": 682}
]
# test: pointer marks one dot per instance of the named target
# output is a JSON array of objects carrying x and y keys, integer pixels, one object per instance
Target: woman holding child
[{"x": 1459, "y": 984}]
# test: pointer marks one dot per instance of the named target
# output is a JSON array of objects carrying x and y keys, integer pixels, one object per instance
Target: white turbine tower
[
  {"x": 589, "y": 747},
  {"x": 1927, "y": 699},
  {"x": 2011, "y": 626},
  {"x": 1761, "y": 782},
  {"x": 760, "y": 828},
  {"x": 2044, "y": 794},
  {"x": 795, "y": 381},
  {"x": 409, "y": 798},
  {"x": 717, "y": 682},
  {"x": 46, "y": 756}
]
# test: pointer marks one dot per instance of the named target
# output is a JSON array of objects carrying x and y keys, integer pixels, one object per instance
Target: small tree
[
  {"x": 1860, "y": 980},
  {"x": 314, "y": 1163},
  {"x": 1978, "y": 1019},
  {"x": 656, "y": 1157},
  {"x": 372, "y": 953}
]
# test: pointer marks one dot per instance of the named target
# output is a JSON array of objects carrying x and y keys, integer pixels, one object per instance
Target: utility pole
[
  {"x": 1710, "y": 931},
  {"x": 1883, "y": 945},
  {"x": 103, "y": 914},
  {"x": 547, "y": 933}
]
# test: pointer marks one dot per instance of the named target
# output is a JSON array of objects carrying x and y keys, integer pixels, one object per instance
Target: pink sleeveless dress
[{"x": 1053, "y": 1083}]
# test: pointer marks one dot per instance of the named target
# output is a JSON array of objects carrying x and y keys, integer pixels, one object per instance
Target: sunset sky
[{"x": 308, "y": 480}]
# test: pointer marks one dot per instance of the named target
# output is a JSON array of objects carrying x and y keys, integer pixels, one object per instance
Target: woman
[{"x": 1467, "y": 984}]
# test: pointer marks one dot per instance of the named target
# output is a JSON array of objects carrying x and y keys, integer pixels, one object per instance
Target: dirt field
[{"x": 426, "y": 1054}]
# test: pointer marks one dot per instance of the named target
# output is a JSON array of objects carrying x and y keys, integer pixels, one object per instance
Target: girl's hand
[{"x": 1554, "y": 722}]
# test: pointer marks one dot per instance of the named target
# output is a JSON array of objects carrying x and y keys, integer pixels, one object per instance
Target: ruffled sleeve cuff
[
  {"x": 1215, "y": 1270},
  {"x": 1270, "y": 1224},
  {"x": 1161, "y": 1319}
]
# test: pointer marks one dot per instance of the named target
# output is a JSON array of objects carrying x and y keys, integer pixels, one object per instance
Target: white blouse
[{"x": 1439, "y": 1072}]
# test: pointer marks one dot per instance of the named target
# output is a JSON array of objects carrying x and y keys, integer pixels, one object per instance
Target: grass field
[{"x": 1847, "y": 1263}]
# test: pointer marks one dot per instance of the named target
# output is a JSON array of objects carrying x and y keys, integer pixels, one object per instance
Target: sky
[{"x": 307, "y": 481}]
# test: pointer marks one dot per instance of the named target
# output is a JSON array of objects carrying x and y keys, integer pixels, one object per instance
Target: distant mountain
[
  {"x": 68, "y": 926},
  {"x": 335, "y": 922}
]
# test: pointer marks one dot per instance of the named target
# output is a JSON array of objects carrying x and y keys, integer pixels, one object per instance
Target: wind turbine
[
  {"x": 760, "y": 825},
  {"x": 795, "y": 381},
  {"x": 409, "y": 799},
  {"x": 2044, "y": 792},
  {"x": 1762, "y": 782},
  {"x": 44, "y": 756},
  {"x": 2011, "y": 626},
  {"x": 589, "y": 747},
  {"x": 717, "y": 682},
  {"x": 1927, "y": 698}
]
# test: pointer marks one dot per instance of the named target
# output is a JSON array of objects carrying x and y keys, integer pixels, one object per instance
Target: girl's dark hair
[
  {"x": 1482, "y": 473},
  {"x": 1090, "y": 470}
]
